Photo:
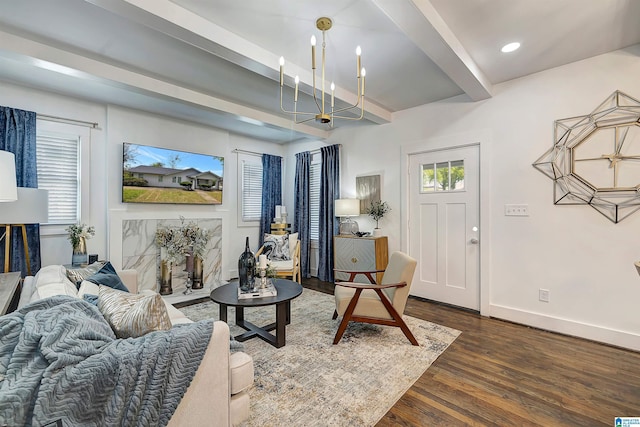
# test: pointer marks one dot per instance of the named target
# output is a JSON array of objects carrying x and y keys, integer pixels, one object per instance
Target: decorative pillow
[
  {"x": 87, "y": 287},
  {"x": 276, "y": 247},
  {"x": 91, "y": 299},
  {"x": 77, "y": 275},
  {"x": 89, "y": 292},
  {"x": 52, "y": 280},
  {"x": 132, "y": 315},
  {"x": 107, "y": 276}
]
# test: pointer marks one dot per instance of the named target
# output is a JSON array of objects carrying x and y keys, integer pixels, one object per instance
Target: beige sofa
[{"x": 218, "y": 393}]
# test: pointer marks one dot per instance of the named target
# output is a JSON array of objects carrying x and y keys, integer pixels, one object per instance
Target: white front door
[{"x": 443, "y": 225}]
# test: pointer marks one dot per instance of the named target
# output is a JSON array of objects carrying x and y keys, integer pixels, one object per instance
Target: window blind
[
  {"x": 251, "y": 191},
  {"x": 57, "y": 160},
  {"x": 314, "y": 196}
]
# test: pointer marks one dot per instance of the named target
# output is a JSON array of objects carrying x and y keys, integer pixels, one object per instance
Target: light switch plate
[{"x": 516, "y": 210}]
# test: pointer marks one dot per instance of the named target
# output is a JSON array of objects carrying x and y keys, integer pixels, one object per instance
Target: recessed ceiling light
[{"x": 510, "y": 47}]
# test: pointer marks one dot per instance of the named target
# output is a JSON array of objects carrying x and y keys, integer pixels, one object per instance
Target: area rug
[{"x": 311, "y": 382}]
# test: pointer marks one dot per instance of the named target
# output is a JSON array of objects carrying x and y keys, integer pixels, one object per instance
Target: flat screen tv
[{"x": 161, "y": 175}]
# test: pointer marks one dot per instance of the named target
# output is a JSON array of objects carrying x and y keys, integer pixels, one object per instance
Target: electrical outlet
[
  {"x": 516, "y": 210},
  {"x": 543, "y": 295}
]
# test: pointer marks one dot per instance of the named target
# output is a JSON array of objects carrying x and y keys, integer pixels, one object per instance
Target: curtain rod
[
  {"x": 317, "y": 150},
  {"x": 92, "y": 125},
  {"x": 237, "y": 150}
]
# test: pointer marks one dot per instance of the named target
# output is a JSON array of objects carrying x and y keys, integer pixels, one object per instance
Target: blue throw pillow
[
  {"x": 92, "y": 299},
  {"x": 107, "y": 276}
]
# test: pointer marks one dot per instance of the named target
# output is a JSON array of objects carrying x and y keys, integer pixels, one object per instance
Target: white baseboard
[{"x": 568, "y": 327}]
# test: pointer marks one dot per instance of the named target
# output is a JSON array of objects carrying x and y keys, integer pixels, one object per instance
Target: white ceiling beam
[
  {"x": 420, "y": 21},
  {"x": 182, "y": 24},
  {"x": 78, "y": 66}
]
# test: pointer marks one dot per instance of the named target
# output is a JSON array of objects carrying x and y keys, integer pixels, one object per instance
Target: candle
[
  {"x": 283, "y": 210},
  {"x": 262, "y": 261},
  {"x": 189, "y": 263},
  {"x": 281, "y": 70}
]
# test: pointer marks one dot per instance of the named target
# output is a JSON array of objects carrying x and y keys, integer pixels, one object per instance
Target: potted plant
[
  {"x": 196, "y": 239},
  {"x": 377, "y": 211},
  {"x": 78, "y": 235},
  {"x": 172, "y": 243}
]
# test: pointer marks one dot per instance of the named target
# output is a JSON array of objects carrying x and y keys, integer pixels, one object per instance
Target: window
[
  {"x": 160, "y": 178},
  {"x": 251, "y": 188},
  {"x": 314, "y": 195},
  {"x": 60, "y": 150},
  {"x": 174, "y": 179},
  {"x": 444, "y": 176}
]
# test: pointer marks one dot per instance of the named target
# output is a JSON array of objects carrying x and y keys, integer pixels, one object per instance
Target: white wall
[
  {"x": 55, "y": 248},
  {"x": 106, "y": 211},
  {"x": 139, "y": 127},
  {"x": 584, "y": 260}
]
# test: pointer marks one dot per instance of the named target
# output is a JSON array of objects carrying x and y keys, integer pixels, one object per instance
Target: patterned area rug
[{"x": 310, "y": 382}]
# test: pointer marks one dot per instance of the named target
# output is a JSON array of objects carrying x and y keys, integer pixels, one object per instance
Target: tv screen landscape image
[{"x": 161, "y": 175}]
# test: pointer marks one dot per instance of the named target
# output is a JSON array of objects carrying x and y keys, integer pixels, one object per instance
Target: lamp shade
[
  {"x": 32, "y": 207},
  {"x": 347, "y": 207},
  {"x": 8, "y": 191}
]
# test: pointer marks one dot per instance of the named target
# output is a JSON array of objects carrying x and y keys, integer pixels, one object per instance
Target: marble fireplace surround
[{"x": 139, "y": 251}]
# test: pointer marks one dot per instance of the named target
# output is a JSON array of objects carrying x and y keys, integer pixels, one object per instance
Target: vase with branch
[
  {"x": 196, "y": 239},
  {"x": 172, "y": 243},
  {"x": 78, "y": 235},
  {"x": 377, "y": 211}
]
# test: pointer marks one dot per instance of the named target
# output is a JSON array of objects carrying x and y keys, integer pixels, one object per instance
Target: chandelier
[{"x": 325, "y": 114}]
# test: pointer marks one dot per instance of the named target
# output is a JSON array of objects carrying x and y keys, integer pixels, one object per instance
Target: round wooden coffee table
[{"x": 227, "y": 295}]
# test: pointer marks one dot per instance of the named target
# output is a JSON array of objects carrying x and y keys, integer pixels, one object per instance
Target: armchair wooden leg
[
  {"x": 399, "y": 321},
  {"x": 347, "y": 316}
]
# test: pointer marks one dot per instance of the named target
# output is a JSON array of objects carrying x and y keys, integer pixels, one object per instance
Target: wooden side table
[
  {"x": 9, "y": 283},
  {"x": 360, "y": 254}
]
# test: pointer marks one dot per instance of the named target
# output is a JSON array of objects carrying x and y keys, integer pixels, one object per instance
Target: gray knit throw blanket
[{"x": 60, "y": 360}]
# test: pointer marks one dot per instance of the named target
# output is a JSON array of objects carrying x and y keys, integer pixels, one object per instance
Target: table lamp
[
  {"x": 345, "y": 209},
  {"x": 31, "y": 207}
]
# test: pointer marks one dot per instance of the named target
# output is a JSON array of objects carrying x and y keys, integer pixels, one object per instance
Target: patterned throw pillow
[
  {"x": 77, "y": 275},
  {"x": 132, "y": 315},
  {"x": 107, "y": 276},
  {"x": 276, "y": 248}
]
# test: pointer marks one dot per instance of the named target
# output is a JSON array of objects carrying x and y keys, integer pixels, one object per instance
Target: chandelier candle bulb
[
  {"x": 281, "y": 70},
  {"x": 333, "y": 90},
  {"x": 364, "y": 73},
  {"x": 295, "y": 97},
  {"x": 313, "y": 52},
  {"x": 358, "y": 60}
]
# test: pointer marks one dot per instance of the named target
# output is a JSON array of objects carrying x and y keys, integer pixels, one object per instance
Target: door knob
[{"x": 473, "y": 241}]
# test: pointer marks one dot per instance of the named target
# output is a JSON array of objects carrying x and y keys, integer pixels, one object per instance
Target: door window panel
[{"x": 443, "y": 176}]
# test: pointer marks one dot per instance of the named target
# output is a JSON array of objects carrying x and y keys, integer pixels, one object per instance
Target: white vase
[{"x": 377, "y": 232}]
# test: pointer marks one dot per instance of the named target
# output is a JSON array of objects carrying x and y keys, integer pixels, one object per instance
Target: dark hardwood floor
[{"x": 497, "y": 373}]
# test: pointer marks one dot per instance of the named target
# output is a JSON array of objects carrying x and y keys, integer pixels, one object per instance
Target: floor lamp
[{"x": 32, "y": 207}]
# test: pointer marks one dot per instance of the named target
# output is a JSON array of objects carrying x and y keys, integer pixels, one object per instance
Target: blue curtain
[
  {"x": 302, "y": 218},
  {"x": 271, "y": 191},
  {"x": 328, "y": 226},
  {"x": 18, "y": 136}
]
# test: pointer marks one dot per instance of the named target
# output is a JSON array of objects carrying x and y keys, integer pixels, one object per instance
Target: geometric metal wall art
[{"x": 595, "y": 159}]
